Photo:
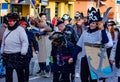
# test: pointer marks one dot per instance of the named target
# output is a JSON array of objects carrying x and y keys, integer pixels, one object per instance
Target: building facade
[
  {"x": 83, "y": 5},
  {"x": 59, "y": 7}
]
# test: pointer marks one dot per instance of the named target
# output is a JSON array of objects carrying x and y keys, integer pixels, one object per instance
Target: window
[{"x": 56, "y": 9}]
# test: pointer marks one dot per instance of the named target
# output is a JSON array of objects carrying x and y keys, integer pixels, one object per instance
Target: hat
[
  {"x": 13, "y": 15},
  {"x": 79, "y": 15},
  {"x": 23, "y": 20},
  {"x": 59, "y": 22},
  {"x": 56, "y": 35},
  {"x": 111, "y": 22},
  {"x": 66, "y": 17},
  {"x": 93, "y": 15}
]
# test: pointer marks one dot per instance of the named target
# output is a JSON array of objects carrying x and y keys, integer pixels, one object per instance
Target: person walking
[
  {"x": 33, "y": 44},
  {"x": 14, "y": 48}
]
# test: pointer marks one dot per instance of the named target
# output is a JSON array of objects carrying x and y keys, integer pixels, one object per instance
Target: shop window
[{"x": 17, "y": 8}]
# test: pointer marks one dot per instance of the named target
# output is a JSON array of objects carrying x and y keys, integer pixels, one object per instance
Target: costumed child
[{"x": 61, "y": 53}]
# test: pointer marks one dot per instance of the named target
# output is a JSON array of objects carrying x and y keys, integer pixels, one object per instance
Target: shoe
[
  {"x": 46, "y": 75},
  {"x": 77, "y": 75},
  {"x": 42, "y": 73}
]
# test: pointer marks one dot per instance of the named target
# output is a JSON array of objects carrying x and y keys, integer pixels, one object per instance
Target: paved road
[
  {"x": 42, "y": 79},
  {"x": 34, "y": 79}
]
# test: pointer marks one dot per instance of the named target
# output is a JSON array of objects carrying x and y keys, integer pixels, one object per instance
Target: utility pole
[{"x": 8, "y": 6}]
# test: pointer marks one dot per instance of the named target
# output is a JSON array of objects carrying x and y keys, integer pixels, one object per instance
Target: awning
[{"x": 24, "y": 2}]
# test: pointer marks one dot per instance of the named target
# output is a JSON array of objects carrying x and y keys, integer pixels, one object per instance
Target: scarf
[
  {"x": 13, "y": 27},
  {"x": 92, "y": 30}
]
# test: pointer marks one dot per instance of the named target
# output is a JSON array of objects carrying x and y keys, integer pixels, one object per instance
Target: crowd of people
[{"x": 58, "y": 46}]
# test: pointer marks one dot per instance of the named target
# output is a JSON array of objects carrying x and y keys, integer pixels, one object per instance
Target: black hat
[
  {"x": 59, "y": 22},
  {"x": 12, "y": 15},
  {"x": 79, "y": 15},
  {"x": 23, "y": 19},
  {"x": 111, "y": 22},
  {"x": 93, "y": 15},
  {"x": 66, "y": 17},
  {"x": 56, "y": 35}
]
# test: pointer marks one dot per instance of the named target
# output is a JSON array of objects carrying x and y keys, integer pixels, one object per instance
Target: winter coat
[
  {"x": 32, "y": 43},
  {"x": 44, "y": 43},
  {"x": 115, "y": 56}
]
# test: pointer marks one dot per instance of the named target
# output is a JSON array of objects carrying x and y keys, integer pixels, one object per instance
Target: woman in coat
[{"x": 44, "y": 43}]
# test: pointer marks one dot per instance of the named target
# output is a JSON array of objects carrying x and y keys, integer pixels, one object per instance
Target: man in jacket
[{"x": 14, "y": 48}]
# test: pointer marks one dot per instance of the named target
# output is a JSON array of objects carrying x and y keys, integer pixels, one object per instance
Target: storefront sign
[
  {"x": 118, "y": 1},
  {"x": 44, "y": 2}
]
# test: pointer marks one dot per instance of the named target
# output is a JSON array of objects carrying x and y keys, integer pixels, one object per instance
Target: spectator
[
  {"x": 32, "y": 44},
  {"x": 54, "y": 20},
  {"x": 115, "y": 56},
  {"x": 14, "y": 48},
  {"x": 2, "y": 29},
  {"x": 44, "y": 45}
]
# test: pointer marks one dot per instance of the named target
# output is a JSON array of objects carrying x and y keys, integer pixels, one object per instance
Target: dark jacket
[
  {"x": 117, "y": 55},
  {"x": 32, "y": 43},
  {"x": 66, "y": 52}
]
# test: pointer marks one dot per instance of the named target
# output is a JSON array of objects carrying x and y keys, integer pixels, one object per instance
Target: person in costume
[
  {"x": 70, "y": 35},
  {"x": 91, "y": 35},
  {"x": 79, "y": 27},
  {"x": 62, "y": 53}
]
